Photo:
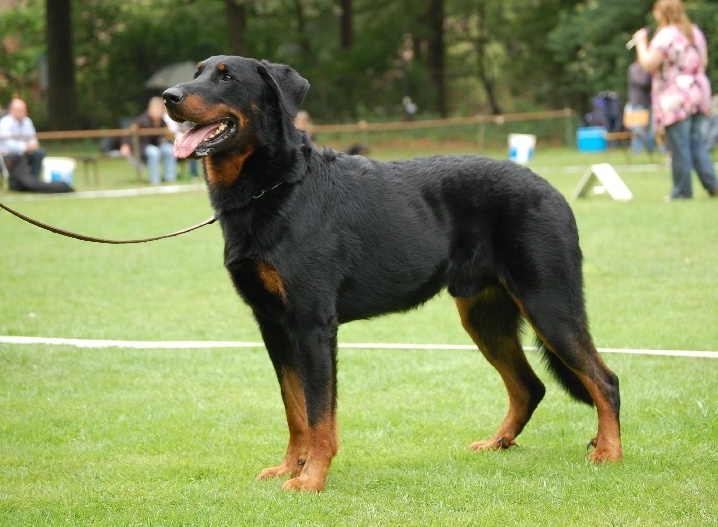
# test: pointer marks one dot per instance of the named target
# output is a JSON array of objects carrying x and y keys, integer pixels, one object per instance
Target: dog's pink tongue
[{"x": 186, "y": 143}]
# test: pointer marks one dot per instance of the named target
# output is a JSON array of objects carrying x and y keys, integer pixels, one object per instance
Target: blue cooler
[
  {"x": 591, "y": 139},
  {"x": 58, "y": 169}
]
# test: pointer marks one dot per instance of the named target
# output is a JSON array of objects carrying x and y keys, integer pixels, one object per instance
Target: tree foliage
[
  {"x": 23, "y": 45},
  {"x": 360, "y": 56}
]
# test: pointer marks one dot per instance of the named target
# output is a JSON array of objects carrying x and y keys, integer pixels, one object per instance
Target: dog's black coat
[{"x": 317, "y": 238}]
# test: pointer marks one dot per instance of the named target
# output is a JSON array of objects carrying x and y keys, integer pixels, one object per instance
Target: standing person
[
  {"x": 681, "y": 93},
  {"x": 17, "y": 136},
  {"x": 639, "y": 99},
  {"x": 154, "y": 148}
]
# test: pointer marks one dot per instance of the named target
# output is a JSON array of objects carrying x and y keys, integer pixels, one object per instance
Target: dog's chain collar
[{"x": 263, "y": 192}]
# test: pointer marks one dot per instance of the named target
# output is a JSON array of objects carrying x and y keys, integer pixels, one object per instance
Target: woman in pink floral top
[{"x": 681, "y": 93}]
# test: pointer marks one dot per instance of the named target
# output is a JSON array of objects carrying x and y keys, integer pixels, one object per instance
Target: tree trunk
[
  {"x": 435, "y": 52},
  {"x": 304, "y": 43},
  {"x": 485, "y": 76},
  {"x": 489, "y": 88},
  {"x": 61, "y": 95},
  {"x": 236, "y": 14},
  {"x": 347, "y": 24}
]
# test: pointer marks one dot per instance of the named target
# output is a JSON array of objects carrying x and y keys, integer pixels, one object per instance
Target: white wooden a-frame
[{"x": 603, "y": 175}]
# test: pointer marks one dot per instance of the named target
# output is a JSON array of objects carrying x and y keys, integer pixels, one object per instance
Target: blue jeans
[
  {"x": 642, "y": 137},
  {"x": 153, "y": 155},
  {"x": 35, "y": 158},
  {"x": 688, "y": 150}
]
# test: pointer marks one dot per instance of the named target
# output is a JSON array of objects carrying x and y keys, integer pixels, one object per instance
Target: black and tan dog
[{"x": 317, "y": 238}]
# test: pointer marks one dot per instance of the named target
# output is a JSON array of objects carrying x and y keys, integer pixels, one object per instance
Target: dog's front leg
[
  {"x": 283, "y": 353},
  {"x": 317, "y": 357}
]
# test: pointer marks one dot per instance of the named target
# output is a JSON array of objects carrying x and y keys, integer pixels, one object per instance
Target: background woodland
[{"x": 82, "y": 64}]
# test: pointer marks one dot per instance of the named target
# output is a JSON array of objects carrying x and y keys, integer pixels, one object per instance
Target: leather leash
[{"x": 85, "y": 238}]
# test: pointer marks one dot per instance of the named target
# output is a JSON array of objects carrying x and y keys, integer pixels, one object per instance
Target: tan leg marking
[
  {"x": 324, "y": 444},
  {"x": 298, "y": 448},
  {"x": 607, "y": 442}
]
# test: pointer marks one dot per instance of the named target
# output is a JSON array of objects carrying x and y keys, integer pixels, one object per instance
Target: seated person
[
  {"x": 18, "y": 137},
  {"x": 153, "y": 148}
]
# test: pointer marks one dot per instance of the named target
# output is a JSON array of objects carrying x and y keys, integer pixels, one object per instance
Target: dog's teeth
[{"x": 221, "y": 128}]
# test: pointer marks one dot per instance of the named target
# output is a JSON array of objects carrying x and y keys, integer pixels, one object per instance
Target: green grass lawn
[{"x": 175, "y": 437}]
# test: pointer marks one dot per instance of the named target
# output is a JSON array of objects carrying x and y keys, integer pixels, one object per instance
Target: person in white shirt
[{"x": 17, "y": 136}]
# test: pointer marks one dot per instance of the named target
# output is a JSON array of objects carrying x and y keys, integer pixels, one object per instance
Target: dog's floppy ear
[{"x": 289, "y": 86}]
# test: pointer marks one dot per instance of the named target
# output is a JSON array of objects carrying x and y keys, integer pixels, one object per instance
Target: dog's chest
[{"x": 260, "y": 285}]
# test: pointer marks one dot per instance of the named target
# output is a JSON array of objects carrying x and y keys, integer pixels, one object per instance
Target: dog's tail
[{"x": 568, "y": 380}]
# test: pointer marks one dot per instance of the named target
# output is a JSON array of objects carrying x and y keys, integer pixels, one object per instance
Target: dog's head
[{"x": 226, "y": 95}]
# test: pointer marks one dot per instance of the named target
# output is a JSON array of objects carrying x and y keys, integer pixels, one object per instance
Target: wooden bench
[
  {"x": 614, "y": 139},
  {"x": 618, "y": 136},
  {"x": 90, "y": 161},
  {"x": 630, "y": 120}
]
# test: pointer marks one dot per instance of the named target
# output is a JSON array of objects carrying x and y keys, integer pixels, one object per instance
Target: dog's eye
[{"x": 227, "y": 77}]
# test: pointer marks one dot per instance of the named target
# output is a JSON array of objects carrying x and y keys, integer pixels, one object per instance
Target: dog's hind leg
[
  {"x": 574, "y": 361},
  {"x": 493, "y": 321},
  {"x": 283, "y": 356}
]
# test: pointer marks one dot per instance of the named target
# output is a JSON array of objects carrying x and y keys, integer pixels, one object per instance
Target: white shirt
[{"x": 14, "y": 134}]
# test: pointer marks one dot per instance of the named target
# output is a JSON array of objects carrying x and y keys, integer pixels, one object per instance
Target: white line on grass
[{"x": 180, "y": 344}]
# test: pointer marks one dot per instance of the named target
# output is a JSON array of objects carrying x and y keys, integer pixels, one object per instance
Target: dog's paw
[
  {"x": 277, "y": 472},
  {"x": 604, "y": 454},
  {"x": 493, "y": 444},
  {"x": 304, "y": 484}
]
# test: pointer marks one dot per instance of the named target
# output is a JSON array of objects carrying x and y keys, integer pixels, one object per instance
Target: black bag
[{"x": 21, "y": 180}]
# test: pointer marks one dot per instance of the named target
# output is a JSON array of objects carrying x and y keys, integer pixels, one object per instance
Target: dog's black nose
[{"x": 172, "y": 96}]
